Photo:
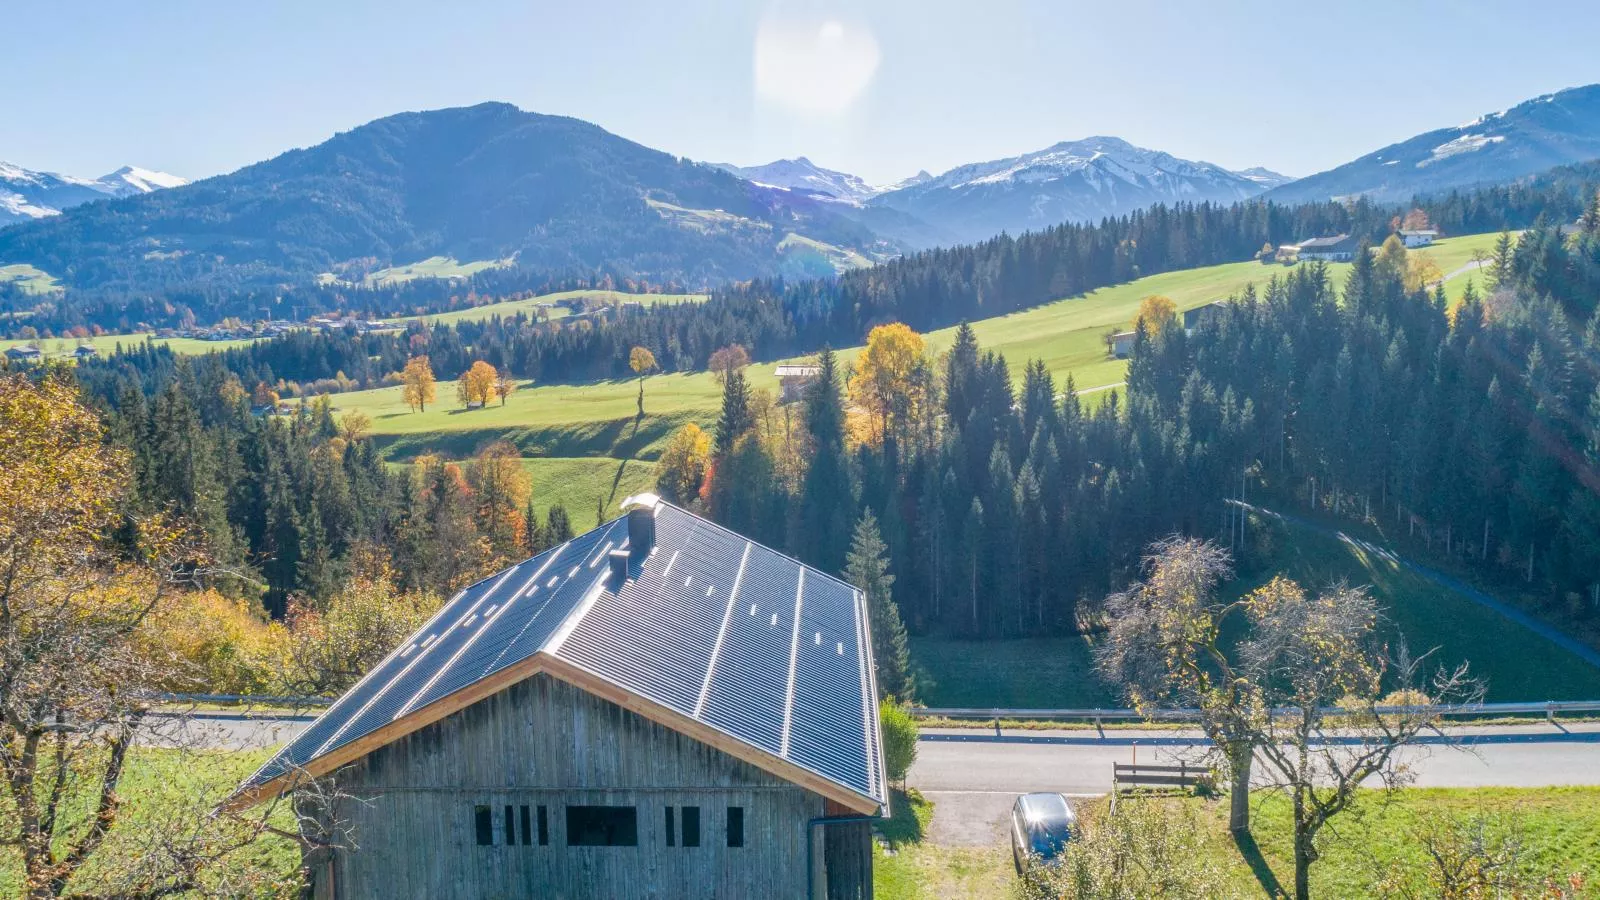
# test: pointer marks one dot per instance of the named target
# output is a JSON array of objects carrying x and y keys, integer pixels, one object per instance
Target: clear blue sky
[{"x": 877, "y": 87}]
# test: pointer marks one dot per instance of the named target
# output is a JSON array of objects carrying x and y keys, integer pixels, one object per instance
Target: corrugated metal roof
[{"x": 710, "y": 625}]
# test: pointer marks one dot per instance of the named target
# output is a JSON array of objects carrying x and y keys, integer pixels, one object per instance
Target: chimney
[
  {"x": 619, "y": 565},
  {"x": 641, "y": 530}
]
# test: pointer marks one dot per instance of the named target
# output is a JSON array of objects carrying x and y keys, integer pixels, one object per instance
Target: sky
[{"x": 879, "y": 88}]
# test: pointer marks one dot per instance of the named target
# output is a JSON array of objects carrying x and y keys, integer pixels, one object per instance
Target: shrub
[{"x": 899, "y": 739}]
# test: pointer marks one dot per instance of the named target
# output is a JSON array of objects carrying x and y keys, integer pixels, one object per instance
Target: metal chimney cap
[{"x": 640, "y": 501}]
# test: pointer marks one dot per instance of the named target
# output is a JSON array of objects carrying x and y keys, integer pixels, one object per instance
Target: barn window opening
[
  {"x": 527, "y": 832},
  {"x": 607, "y": 826},
  {"x": 672, "y": 838},
  {"x": 484, "y": 820},
  {"x": 511, "y": 827},
  {"x": 735, "y": 826},
  {"x": 544, "y": 826},
  {"x": 691, "y": 826}
]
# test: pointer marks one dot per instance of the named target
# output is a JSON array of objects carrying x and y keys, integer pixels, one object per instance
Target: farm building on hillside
[
  {"x": 1339, "y": 248},
  {"x": 656, "y": 708},
  {"x": 24, "y": 353},
  {"x": 1420, "y": 237},
  {"x": 794, "y": 380},
  {"x": 1194, "y": 318},
  {"x": 1122, "y": 344}
]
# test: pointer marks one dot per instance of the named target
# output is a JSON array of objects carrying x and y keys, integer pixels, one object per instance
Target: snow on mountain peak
[
  {"x": 145, "y": 180},
  {"x": 27, "y": 194}
]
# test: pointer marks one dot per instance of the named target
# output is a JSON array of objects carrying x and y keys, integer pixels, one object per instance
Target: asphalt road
[{"x": 972, "y": 777}]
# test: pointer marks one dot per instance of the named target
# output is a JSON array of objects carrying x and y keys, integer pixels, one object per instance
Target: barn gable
[{"x": 661, "y": 612}]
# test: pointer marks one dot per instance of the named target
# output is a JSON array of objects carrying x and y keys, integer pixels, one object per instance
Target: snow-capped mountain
[
  {"x": 1553, "y": 130},
  {"x": 806, "y": 177},
  {"x": 1265, "y": 177},
  {"x": 1072, "y": 181},
  {"x": 26, "y": 194}
]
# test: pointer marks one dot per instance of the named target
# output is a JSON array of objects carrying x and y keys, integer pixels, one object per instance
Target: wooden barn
[{"x": 656, "y": 708}]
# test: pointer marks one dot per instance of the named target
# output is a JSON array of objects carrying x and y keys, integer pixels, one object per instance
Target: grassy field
[
  {"x": 1057, "y": 673},
  {"x": 1518, "y": 664},
  {"x": 530, "y": 305},
  {"x": 162, "y": 787},
  {"x": 106, "y": 343},
  {"x": 32, "y": 280},
  {"x": 1559, "y": 832}
]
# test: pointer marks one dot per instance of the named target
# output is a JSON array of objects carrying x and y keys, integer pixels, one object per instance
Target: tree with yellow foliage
[
  {"x": 642, "y": 362},
  {"x": 683, "y": 464},
  {"x": 477, "y": 384},
  {"x": 1156, "y": 312},
  {"x": 80, "y": 666},
  {"x": 1421, "y": 271},
  {"x": 354, "y": 425},
  {"x": 887, "y": 382},
  {"x": 419, "y": 382}
]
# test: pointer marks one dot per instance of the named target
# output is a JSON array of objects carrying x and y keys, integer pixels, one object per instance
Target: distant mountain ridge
[
  {"x": 485, "y": 182},
  {"x": 26, "y": 194},
  {"x": 1073, "y": 181},
  {"x": 1539, "y": 134},
  {"x": 801, "y": 174}
]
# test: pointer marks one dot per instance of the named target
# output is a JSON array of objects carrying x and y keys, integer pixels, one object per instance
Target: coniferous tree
[
  {"x": 868, "y": 569},
  {"x": 826, "y": 494}
]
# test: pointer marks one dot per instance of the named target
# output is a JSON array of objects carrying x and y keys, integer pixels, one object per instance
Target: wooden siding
[{"x": 411, "y": 828}]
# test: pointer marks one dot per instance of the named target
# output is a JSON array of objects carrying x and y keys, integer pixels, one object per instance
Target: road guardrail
[{"x": 1549, "y": 709}]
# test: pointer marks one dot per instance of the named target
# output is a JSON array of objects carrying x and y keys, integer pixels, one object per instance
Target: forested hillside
[
  {"x": 487, "y": 182},
  {"x": 1004, "y": 507}
]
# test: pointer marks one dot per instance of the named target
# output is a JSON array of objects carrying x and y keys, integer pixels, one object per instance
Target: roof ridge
[{"x": 729, "y": 531}]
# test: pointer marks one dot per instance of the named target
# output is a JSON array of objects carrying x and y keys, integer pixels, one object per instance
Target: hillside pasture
[{"x": 530, "y": 306}]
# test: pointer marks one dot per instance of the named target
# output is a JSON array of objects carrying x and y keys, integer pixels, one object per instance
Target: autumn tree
[
  {"x": 264, "y": 396},
  {"x": 683, "y": 464},
  {"x": 503, "y": 385},
  {"x": 1422, "y": 271},
  {"x": 333, "y": 644},
  {"x": 501, "y": 488},
  {"x": 477, "y": 384},
  {"x": 1164, "y": 646},
  {"x": 354, "y": 425},
  {"x": 78, "y": 666},
  {"x": 1156, "y": 312},
  {"x": 642, "y": 362},
  {"x": 417, "y": 377},
  {"x": 727, "y": 359},
  {"x": 1416, "y": 220},
  {"x": 886, "y": 382}
]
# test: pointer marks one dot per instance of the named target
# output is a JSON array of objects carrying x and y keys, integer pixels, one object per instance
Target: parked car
[{"x": 1041, "y": 827}]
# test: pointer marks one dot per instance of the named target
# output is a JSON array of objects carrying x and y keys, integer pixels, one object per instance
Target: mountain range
[
  {"x": 26, "y": 194},
  {"x": 559, "y": 195},
  {"x": 485, "y": 182},
  {"x": 1548, "y": 131}
]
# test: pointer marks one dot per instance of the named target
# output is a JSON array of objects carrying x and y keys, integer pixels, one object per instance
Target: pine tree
[
  {"x": 558, "y": 527},
  {"x": 735, "y": 418},
  {"x": 825, "y": 494},
  {"x": 868, "y": 569}
]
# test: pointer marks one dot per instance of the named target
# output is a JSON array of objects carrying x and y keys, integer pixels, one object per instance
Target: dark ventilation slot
[
  {"x": 691, "y": 826},
  {"x": 604, "y": 826},
  {"x": 672, "y": 836},
  {"x": 511, "y": 827},
  {"x": 544, "y": 826},
  {"x": 527, "y": 832},
  {"x": 735, "y": 826},
  {"x": 483, "y": 820}
]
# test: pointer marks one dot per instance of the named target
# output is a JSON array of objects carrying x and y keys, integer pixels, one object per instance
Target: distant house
[
  {"x": 85, "y": 351},
  {"x": 659, "y": 707},
  {"x": 1122, "y": 344},
  {"x": 1421, "y": 237},
  {"x": 794, "y": 379},
  {"x": 24, "y": 353},
  {"x": 1287, "y": 254},
  {"x": 1339, "y": 248},
  {"x": 1194, "y": 318}
]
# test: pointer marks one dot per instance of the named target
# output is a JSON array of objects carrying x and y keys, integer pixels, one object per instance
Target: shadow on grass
[
  {"x": 908, "y": 817},
  {"x": 627, "y": 437},
  {"x": 1251, "y": 853}
]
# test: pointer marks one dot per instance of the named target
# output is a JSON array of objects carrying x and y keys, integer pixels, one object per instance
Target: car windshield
[
  {"x": 1049, "y": 823},
  {"x": 1048, "y": 837}
]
